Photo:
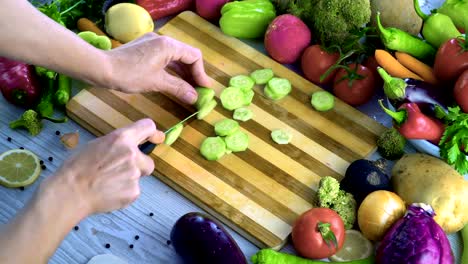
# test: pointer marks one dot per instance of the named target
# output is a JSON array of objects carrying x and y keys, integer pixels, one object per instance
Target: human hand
[
  {"x": 142, "y": 66},
  {"x": 105, "y": 175}
]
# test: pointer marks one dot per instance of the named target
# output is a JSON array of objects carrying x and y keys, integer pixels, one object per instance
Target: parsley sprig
[{"x": 455, "y": 139}]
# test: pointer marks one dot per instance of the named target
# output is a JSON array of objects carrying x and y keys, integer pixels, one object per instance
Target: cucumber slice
[
  {"x": 270, "y": 94},
  {"x": 232, "y": 98},
  {"x": 226, "y": 127},
  {"x": 243, "y": 82},
  {"x": 174, "y": 134},
  {"x": 248, "y": 97},
  {"x": 239, "y": 141},
  {"x": 242, "y": 114},
  {"x": 279, "y": 87},
  {"x": 204, "y": 96},
  {"x": 281, "y": 136},
  {"x": 262, "y": 76},
  {"x": 322, "y": 101},
  {"x": 213, "y": 148},
  {"x": 206, "y": 109}
]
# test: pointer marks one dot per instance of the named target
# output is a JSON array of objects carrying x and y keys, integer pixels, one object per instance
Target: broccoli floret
[
  {"x": 391, "y": 144},
  {"x": 29, "y": 120},
  {"x": 330, "y": 196}
]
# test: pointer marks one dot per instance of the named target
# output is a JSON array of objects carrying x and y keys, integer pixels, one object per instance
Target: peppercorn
[
  {"x": 131, "y": 246},
  {"x": 41, "y": 162},
  {"x": 21, "y": 148},
  {"x": 107, "y": 245},
  {"x": 21, "y": 188},
  {"x": 151, "y": 214},
  {"x": 168, "y": 242},
  {"x": 137, "y": 237},
  {"x": 57, "y": 133},
  {"x": 9, "y": 139},
  {"x": 43, "y": 167},
  {"x": 76, "y": 228},
  {"x": 50, "y": 159}
]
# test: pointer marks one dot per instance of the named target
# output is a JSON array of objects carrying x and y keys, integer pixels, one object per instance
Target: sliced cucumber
[
  {"x": 248, "y": 97},
  {"x": 242, "y": 114},
  {"x": 270, "y": 94},
  {"x": 322, "y": 101},
  {"x": 206, "y": 109},
  {"x": 174, "y": 134},
  {"x": 213, "y": 148},
  {"x": 226, "y": 127},
  {"x": 239, "y": 141},
  {"x": 232, "y": 98},
  {"x": 278, "y": 88},
  {"x": 262, "y": 76},
  {"x": 204, "y": 96},
  {"x": 243, "y": 82},
  {"x": 281, "y": 136}
]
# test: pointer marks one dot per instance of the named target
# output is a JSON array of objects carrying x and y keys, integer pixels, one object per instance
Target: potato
[
  {"x": 396, "y": 13},
  {"x": 420, "y": 178}
]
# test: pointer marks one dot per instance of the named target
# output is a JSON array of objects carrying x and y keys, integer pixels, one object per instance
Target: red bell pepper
[
  {"x": 413, "y": 124},
  {"x": 163, "y": 8},
  {"x": 19, "y": 83}
]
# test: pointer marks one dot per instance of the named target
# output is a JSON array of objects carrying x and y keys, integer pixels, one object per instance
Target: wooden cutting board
[{"x": 259, "y": 192}]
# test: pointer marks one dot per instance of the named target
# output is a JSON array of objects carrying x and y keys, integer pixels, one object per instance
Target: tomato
[
  {"x": 451, "y": 60},
  {"x": 372, "y": 64},
  {"x": 309, "y": 241},
  {"x": 315, "y": 62},
  {"x": 460, "y": 92},
  {"x": 355, "y": 88}
]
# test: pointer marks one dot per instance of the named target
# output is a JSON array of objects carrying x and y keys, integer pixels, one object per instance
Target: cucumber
[
  {"x": 242, "y": 114},
  {"x": 278, "y": 87},
  {"x": 239, "y": 141},
  {"x": 248, "y": 97},
  {"x": 204, "y": 96},
  {"x": 213, "y": 148},
  {"x": 232, "y": 98},
  {"x": 281, "y": 136},
  {"x": 174, "y": 134},
  {"x": 226, "y": 127},
  {"x": 243, "y": 82},
  {"x": 262, "y": 76},
  {"x": 206, "y": 109},
  {"x": 322, "y": 101},
  {"x": 270, "y": 94}
]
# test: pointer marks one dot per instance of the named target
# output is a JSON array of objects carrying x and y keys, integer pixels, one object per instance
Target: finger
[
  {"x": 146, "y": 165},
  {"x": 178, "y": 88},
  {"x": 193, "y": 57},
  {"x": 178, "y": 69},
  {"x": 142, "y": 130}
]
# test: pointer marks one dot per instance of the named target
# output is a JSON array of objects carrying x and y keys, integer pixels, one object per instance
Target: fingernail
[{"x": 190, "y": 97}]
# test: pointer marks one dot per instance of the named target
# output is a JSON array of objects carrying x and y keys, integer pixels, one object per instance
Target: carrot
[
  {"x": 85, "y": 24},
  {"x": 417, "y": 67},
  {"x": 392, "y": 66}
]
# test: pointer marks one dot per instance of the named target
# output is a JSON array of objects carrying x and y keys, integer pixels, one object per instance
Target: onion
[{"x": 378, "y": 212}]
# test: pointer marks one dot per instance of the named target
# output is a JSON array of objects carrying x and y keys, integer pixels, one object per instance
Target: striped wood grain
[{"x": 259, "y": 192}]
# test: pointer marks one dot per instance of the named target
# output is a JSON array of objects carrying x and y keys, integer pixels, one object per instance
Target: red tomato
[
  {"x": 451, "y": 60},
  {"x": 307, "y": 238},
  {"x": 350, "y": 88},
  {"x": 460, "y": 92},
  {"x": 315, "y": 62}
]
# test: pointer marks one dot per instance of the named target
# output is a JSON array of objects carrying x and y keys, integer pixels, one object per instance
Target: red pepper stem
[
  {"x": 399, "y": 116},
  {"x": 327, "y": 234}
]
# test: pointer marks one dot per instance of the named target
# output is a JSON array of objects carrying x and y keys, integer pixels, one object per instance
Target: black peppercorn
[
  {"x": 9, "y": 139},
  {"x": 168, "y": 242},
  {"x": 107, "y": 245},
  {"x": 57, "y": 132},
  {"x": 51, "y": 159},
  {"x": 43, "y": 167},
  {"x": 41, "y": 162},
  {"x": 131, "y": 246},
  {"x": 21, "y": 148},
  {"x": 76, "y": 228},
  {"x": 151, "y": 214},
  {"x": 21, "y": 188},
  {"x": 137, "y": 237}
]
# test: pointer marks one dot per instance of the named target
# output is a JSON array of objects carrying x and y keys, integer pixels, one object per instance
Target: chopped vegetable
[
  {"x": 270, "y": 256},
  {"x": 277, "y": 88},
  {"x": 243, "y": 82},
  {"x": 242, "y": 114},
  {"x": 213, "y": 148},
  {"x": 378, "y": 212},
  {"x": 322, "y": 101},
  {"x": 232, "y": 98},
  {"x": 281, "y": 136},
  {"x": 206, "y": 109},
  {"x": 204, "y": 96},
  {"x": 173, "y": 134},
  {"x": 248, "y": 97},
  {"x": 238, "y": 141},
  {"x": 391, "y": 144},
  {"x": 30, "y": 120},
  {"x": 262, "y": 76},
  {"x": 415, "y": 238},
  {"x": 226, "y": 127}
]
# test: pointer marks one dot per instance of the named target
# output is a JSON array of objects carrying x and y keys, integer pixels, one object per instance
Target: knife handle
[{"x": 147, "y": 147}]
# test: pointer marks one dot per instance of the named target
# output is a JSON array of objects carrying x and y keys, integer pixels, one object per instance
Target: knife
[{"x": 148, "y": 146}]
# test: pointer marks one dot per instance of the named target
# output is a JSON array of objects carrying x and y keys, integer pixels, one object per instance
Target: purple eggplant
[
  {"x": 199, "y": 239},
  {"x": 19, "y": 83},
  {"x": 415, "y": 239}
]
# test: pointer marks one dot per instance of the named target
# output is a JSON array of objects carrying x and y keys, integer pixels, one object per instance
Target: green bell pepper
[
  {"x": 457, "y": 10},
  {"x": 246, "y": 19}
]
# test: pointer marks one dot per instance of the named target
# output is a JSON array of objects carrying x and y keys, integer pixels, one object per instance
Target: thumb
[{"x": 178, "y": 88}]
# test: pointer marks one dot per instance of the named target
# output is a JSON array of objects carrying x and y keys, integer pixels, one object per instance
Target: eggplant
[{"x": 199, "y": 239}]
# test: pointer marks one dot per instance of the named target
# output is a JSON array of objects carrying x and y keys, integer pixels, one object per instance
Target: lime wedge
[
  {"x": 18, "y": 167},
  {"x": 355, "y": 247}
]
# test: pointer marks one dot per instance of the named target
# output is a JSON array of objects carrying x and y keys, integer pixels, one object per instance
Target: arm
[{"x": 139, "y": 66}]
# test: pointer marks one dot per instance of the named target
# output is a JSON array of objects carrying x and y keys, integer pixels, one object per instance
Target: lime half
[
  {"x": 355, "y": 247},
  {"x": 18, "y": 167}
]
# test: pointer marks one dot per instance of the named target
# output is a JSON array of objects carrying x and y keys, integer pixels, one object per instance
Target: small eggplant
[
  {"x": 199, "y": 239},
  {"x": 19, "y": 83}
]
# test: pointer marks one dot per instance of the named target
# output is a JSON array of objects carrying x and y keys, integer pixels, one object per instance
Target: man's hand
[{"x": 142, "y": 66}]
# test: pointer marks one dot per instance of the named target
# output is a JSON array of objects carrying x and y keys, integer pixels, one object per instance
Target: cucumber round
[
  {"x": 243, "y": 82},
  {"x": 278, "y": 88},
  {"x": 232, "y": 98},
  {"x": 239, "y": 141},
  {"x": 174, "y": 134},
  {"x": 242, "y": 114},
  {"x": 206, "y": 109},
  {"x": 262, "y": 76},
  {"x": 281, "y": 136},
  {"x": 204, "y": 96},
  {"x": 322, "y": 101},
  {"x": 213, "y": 148},
  {"x": 270, "y": 94},
  {"x": 248, "y": 97},
  {"x": 226, "y": 127}
]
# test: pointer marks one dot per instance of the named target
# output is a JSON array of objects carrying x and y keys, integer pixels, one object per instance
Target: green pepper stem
[
  {"x": 418, "y": 10},
  {"x": 399, "y": 116},
  {"x": 327, "y": 234},
  {"x": 394, "y": 88},
  {"x": 55, "y": 120}
]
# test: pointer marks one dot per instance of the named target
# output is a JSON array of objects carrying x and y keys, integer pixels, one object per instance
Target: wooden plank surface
[{"x": 259, "y": 192}]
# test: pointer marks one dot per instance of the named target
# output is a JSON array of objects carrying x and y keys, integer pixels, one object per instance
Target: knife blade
[{"x": 148, "y": 146}]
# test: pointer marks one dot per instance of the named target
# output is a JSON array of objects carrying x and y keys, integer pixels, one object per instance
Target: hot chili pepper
[
  {"x": 163, "y": 8},
  {"x": 413, "y": 124}
]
